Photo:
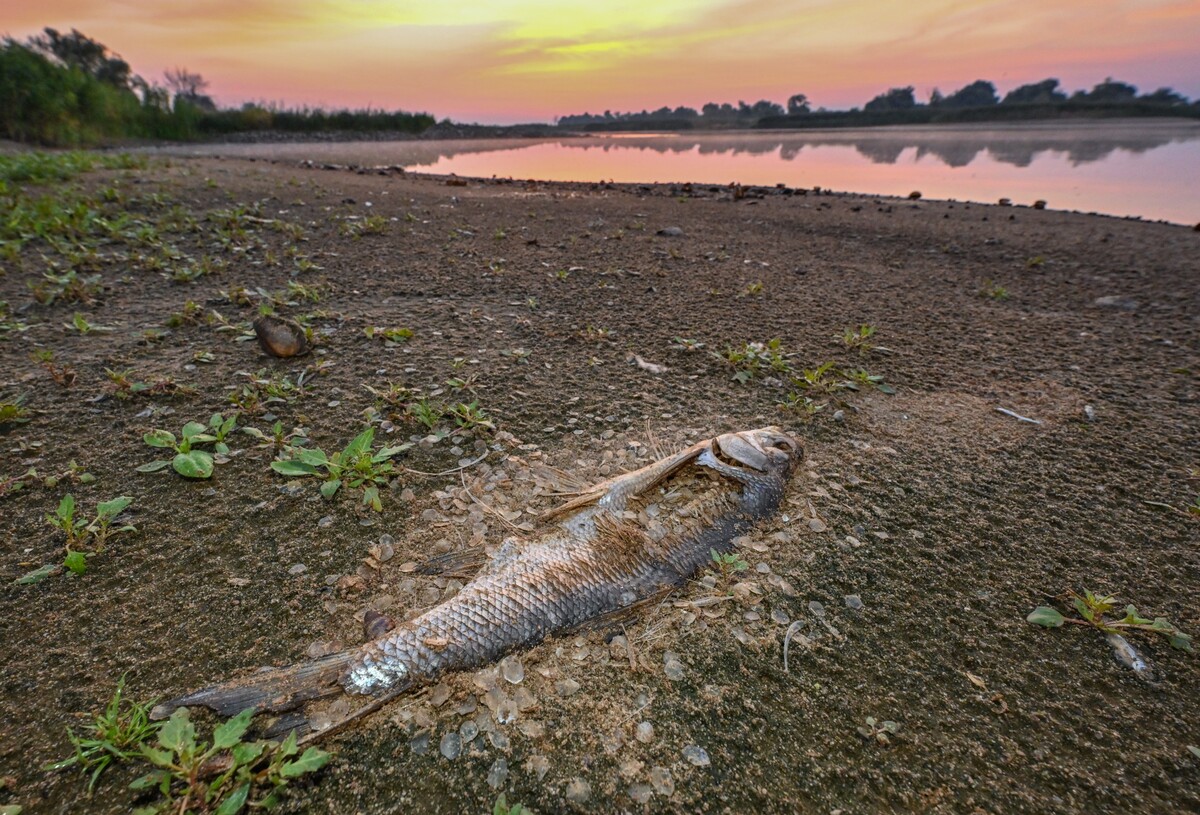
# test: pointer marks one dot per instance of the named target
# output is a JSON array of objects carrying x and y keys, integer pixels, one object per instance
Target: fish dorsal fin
[
  {"x": 615, "y": 493},
  {"x": 556, "y": 480}
]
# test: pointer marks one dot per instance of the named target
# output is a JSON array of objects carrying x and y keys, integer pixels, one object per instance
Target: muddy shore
[{"x": 923, "y": 528}]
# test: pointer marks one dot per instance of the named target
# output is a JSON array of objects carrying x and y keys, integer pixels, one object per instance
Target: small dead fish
[
  {"x": 281, "y": 337},
  {"x": 593, "y": 563},
  {"x": 1127, "y": 655}
]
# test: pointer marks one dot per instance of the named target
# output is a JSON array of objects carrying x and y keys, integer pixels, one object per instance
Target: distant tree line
[
  {"x": 977, "y": 101},
  {"x": 68, "y": 89}
]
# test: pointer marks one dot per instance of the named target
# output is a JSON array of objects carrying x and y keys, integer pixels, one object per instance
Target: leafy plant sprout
[
  {"x": 424, "y": 412},
  {"x": 1092, "y": 610},
  {"x": 78, "y": 529},
  {"x": 222, "y": 775},
  {"x": 878, "y": 731},
  {"x": 994, "y": 290},
  {"x": 357, "y": 466},
  {"x": 13, "y": 411},
  {"x": 859, "y": 339},
  {"x": 189, "y": 461},
  {"x": 471, "y": 417},
  {"x": 116, "y": 734},
  {"x": 685, "y": 344},
  {"x": 728, "y": 563}
]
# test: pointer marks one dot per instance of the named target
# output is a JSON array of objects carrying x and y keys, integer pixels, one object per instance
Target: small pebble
[
  {"x": 298, "y": 568},
  {"x": 640, "y": 793},
  {"x": 512, "y": 670},
  {"x": 854, "y": 601},
  {"x": 498, "y": 774},
  {"x": 451, "y": 746},
  {"x": 578, "y": 791},
  {"x": 420, "y": 743},
  {"x": 660, "y": 779},
  {"x": 696, "y": 755},
  {"x": 538, "y": 765},
  {"x": 531, "y": 729}
]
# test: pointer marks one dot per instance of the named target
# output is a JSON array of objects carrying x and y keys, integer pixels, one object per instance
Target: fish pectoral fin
[
  {"x": 615, "y": 493},
  {"x": 464, "y": 563}
]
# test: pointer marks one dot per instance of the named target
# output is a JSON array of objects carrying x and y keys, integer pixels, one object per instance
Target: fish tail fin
[{"x": 270, "y": 689}]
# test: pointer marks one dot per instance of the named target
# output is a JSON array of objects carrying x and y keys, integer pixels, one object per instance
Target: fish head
[{"x": 766, "y": 449}]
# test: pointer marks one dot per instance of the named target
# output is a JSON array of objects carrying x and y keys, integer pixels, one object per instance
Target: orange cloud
[{"x": 505, "y": 60}]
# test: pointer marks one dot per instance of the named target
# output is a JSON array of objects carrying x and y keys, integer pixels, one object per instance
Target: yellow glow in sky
[{"x": 530, "y": 60}]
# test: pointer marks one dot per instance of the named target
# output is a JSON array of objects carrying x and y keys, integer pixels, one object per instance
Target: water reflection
[
  {"x": 1147, "y": 168},
  {"x": 954, "y": 147}
]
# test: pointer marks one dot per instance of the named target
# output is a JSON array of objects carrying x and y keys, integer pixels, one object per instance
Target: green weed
[
  {"x": 117, "y": 734},
  {"x": 359, "y": 465},
  {"x": 224, "y": 775},
  {"x": 190, "y": 461},
  {"x": 1092, "y": 610}
]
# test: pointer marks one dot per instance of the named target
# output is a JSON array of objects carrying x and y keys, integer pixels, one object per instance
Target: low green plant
[
  {"x": 189, "y": 461},
  {"x": 278, "y": 439},
  {"x": 78, "y": 529},
  {"x": 80, "y": 324},
  {"x": 222, "y": 776},
  {"x": 13, "y": 411},
  {"x": 754, "y": 289},
  {"x": 70, "y": 287},
  {"x": 424, "y": 412},
  {"x": 391, "y": 336},
  {"x": 1092, "y": 610},
  {"x": 728, "y": 563},
  {"x": 471, "y": 417},
  {"x": 502, "y": 807},
  {"x": 878, "y": 731},
  {"x": 117, "y": 734},
  {"x": 686, "y": 344},
  {"x": 862, "y": 379},
  {"x": 805, "y": 406},
  {"x": 859, "y": 339},
  {"x": 192, "y": 313},
  {"x": 817, "y": 380},
  {"x": 358, "y": 466},
  {"x": 123, "y": 386},
  {"x": 371, "y": 225},
  {"x": 993, "y": 290},
  {"x": 754, "y": 358}
]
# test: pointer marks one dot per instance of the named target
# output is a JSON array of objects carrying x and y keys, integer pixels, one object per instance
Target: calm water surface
[{"x": 1144, "y": 168}]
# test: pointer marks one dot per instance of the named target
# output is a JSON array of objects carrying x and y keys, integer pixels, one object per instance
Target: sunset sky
[{"x": 501, "y": 61}]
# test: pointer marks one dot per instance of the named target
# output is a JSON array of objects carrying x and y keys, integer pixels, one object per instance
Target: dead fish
[
  {"x": 593, "y": 562},
  {"x": 281, "y": 337}
]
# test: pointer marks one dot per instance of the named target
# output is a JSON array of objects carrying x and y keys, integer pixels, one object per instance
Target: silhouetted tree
[
  {"x": 1165, "y": 96},
  {"x": 894, "y": 99},
  {"x": 1036, "y": 93},
  {"x": 188, "y": 87},
  {"x": 1112, "y": 91},
  {"x": 797, "y": 104},
  {"x": 978, "y": 94},
  {"x": 935, "y": 98},
  {"x": 75, "y": 50}
]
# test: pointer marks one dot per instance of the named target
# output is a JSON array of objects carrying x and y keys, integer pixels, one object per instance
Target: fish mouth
[{"x": 766, "y": 449}]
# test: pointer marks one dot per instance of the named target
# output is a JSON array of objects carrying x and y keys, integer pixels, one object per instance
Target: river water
[{"x": 1141, "y": 168}]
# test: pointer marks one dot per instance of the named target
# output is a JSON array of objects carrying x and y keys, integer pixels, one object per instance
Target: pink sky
[{"x": 531, "y": 60}]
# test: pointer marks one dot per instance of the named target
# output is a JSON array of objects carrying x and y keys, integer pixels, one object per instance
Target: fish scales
[{"x": 595, "y": 562}]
